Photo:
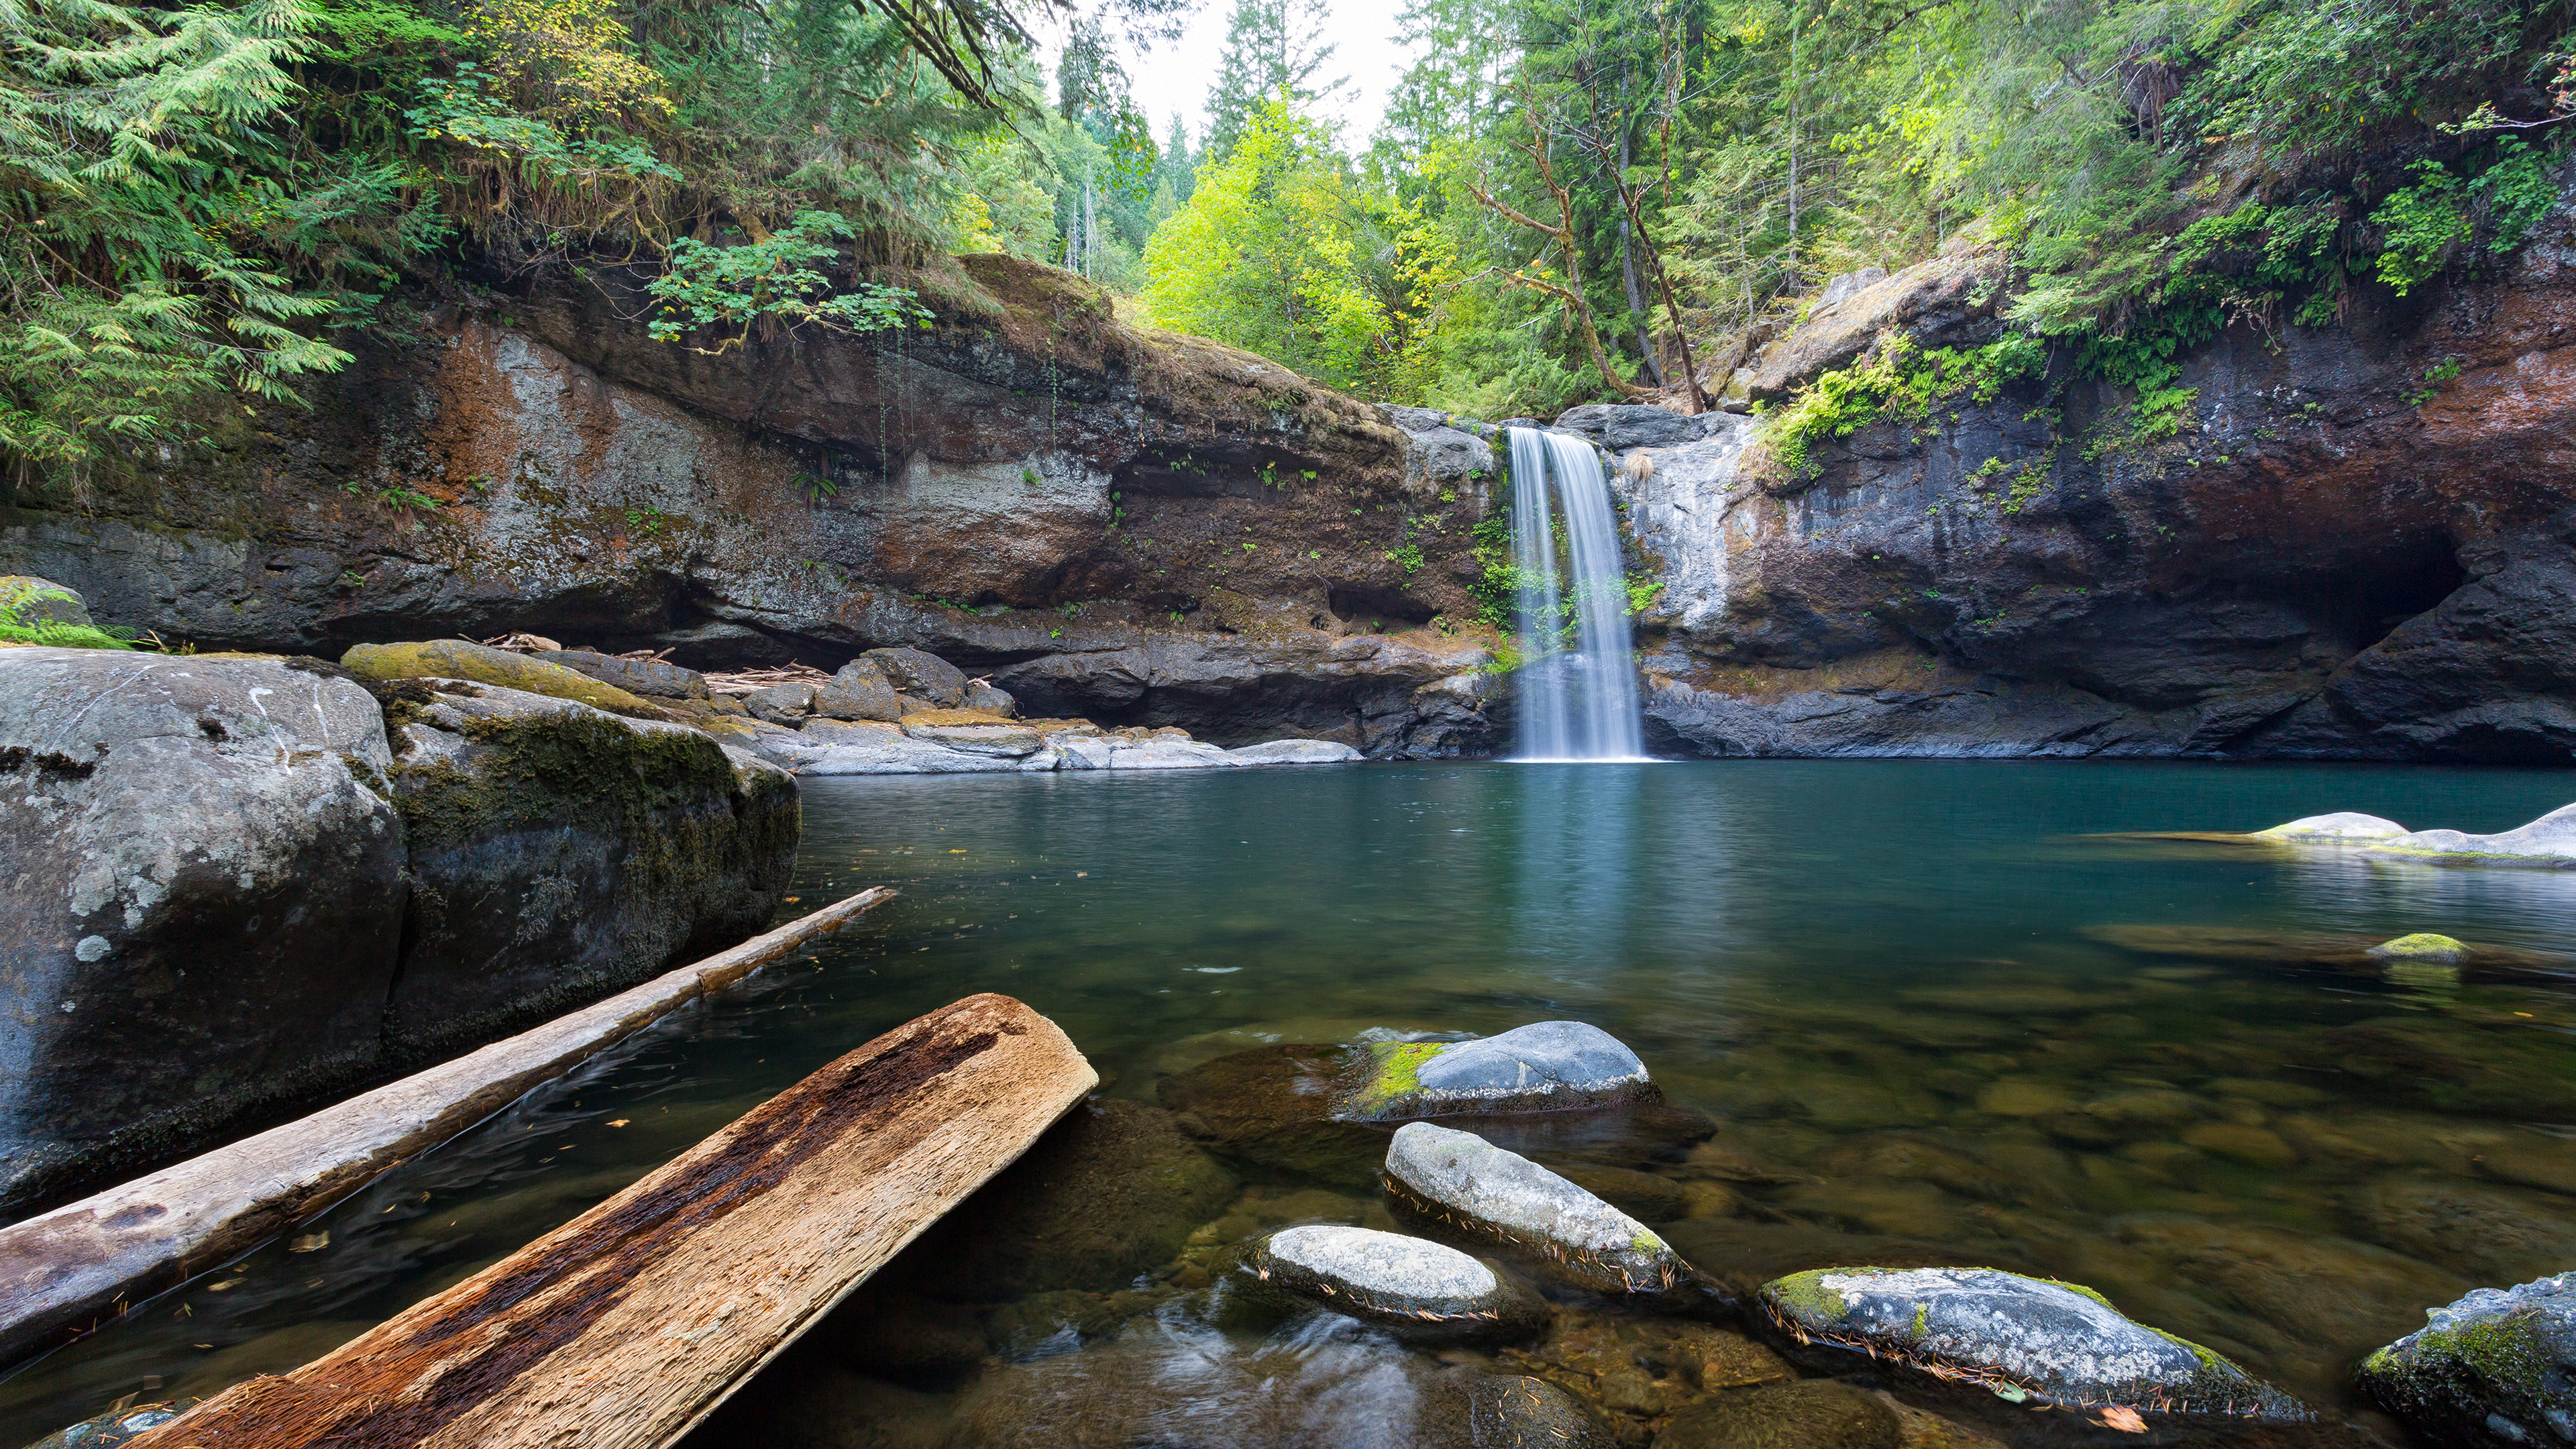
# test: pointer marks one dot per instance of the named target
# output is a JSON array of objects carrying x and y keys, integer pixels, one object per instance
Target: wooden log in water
[
  {"x": 628, "y": 1325},
  {"x": 66, "y": 1271}
]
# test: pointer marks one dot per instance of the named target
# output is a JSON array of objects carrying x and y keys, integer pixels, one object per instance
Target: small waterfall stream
[{"x": 1577, "y": 703}]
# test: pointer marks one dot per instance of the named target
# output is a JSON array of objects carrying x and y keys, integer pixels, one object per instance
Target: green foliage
[
  {"x": 16, "y": 628},
  {"x": 729, "y": 288},
  {"x": 1900, "y": 385}
]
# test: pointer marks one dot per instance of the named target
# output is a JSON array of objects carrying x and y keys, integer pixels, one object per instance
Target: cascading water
[{"x": 1578, "y": 703}]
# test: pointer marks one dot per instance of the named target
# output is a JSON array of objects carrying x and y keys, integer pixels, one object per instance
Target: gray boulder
[
  {"x": 1413, "y": 1287},
  {"x": 924, "y": 676},
  {"x": 1007, "y": 740},
  {"x": 1084, "y": 752},
  {"x": 782, "y": 704},
  {"x": 2548, "y": 843},
  {"x": 1294, "y": 752},
  {"x": 559, "y": 853},
  {"x": 860, "y": 691},
  {"x": 2342, "y": 825},
  {"x": 2056, "y": 1342},
  {"x": 1621, "y": 426},
  {"x": 205, "y": 900},
  {"x": 895, "y": 753},
  {"x": 651, "y": 678},
  {"x": 2496, "y": 1367},
  {"x": 1546, "y": 1066},
  {"x": 984, "y": 695},
  {"x": 1462, "y": 1185}
]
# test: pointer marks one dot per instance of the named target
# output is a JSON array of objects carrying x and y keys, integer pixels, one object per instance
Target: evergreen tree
[{"x": 1274, "y": 50}]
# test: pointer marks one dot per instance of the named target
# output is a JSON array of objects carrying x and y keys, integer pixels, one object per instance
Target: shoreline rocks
[
  {"x": 2021, "y": 1337},
  {"x": 2548, "y": 843},
  {"x": 2492, "y": 1368},
  {"x": 1413, "y": 1287},
  {"x": 1465, "y": 1186}
]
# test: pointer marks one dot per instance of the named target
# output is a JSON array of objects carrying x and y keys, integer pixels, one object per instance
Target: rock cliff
[
  {"x": 2360, "y": 547},
  {"x": 1137, "y": 527}
]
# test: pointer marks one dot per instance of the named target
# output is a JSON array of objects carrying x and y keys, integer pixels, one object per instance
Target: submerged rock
[
  {"x": 2422, "y": 946},
  {"x": 1465, "y": 1186},
  {"x": 2019, "y": 1336},
  {"x": 1270, "y": 1105},
  {"x": 483, "y": 664},
  {"x": 1467, "y": 1410},
  {"x": 1815, "y": 1414},
  {"x": 1546, "y": 1066},
  {"x": 1108, "y": 1193},
  {"x": 1416, "y": 1288},
  {"x": 2496, "y": 1367}
]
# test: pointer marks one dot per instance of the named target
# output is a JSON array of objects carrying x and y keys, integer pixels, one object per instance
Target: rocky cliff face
[
  {"x": 1140, "y": 528},
  {"x": 2362, "y": 550}
]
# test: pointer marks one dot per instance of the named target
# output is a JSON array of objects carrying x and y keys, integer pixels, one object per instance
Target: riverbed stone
[
  {"x": 2059, "y": 1342},
  {"x": 1269, "y": 1105},
  {"x": 1413, "y": 1287},
  {"x": 558, "y": 853},
  {"x": 1469, "y": 1410},
  {"x": 2423, "y": 947},
  {"x": 2496, "y": 1367},
  {"x": 206, "y": 893},
  {"x": 1546, "y": 1066},
  {"x": 1110, "y": 1192},
  {"x": 1813, "y": 1414},
  {"x": 2486, "y": 1231},
  {"x": 483, "y": 664},
  {"x": 1466, "y": 1187}
]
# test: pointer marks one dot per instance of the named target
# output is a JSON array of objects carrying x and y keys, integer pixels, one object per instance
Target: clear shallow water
[{"x": 1886, "y": 979}]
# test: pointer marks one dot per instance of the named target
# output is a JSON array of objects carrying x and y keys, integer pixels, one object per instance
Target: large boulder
[
  {"x": 922, "y": 675},
  {"x": 2496, "y": 1367},
  {"x": 1543, "y": 1067},
  {"x": 1621, "y": 426},
  {"x": 1412, "y": 1287},
  {"x": 483, "y": 664},
  {"x": 1458, "y": 1184},
  {"x": 559, "y": 853},
  {"x": 2548, "y": 843},
  {"x": 205, "y": 896},
  {"x": 860, "y": 691},
  {"x": 2055, "y": 1342}
]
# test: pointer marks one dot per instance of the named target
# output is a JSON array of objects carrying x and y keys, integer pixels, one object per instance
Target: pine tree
[{"x": 1274, "y": 50}]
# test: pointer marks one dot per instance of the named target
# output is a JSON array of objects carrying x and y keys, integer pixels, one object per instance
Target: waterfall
[{"x": 1578, "y": 703}]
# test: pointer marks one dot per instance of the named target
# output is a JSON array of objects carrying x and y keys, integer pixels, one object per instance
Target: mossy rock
[
  {"x": 482, "y": 664},
  {"x": 2493, "y": 1368},
  {"x": 1271, "y": 1106},
  {"x": 2023, "y": 1337},
  {"x": 2423, "y": 946}
]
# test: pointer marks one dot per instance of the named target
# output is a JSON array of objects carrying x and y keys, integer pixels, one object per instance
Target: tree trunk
[{"x": 1628, "y": 273}]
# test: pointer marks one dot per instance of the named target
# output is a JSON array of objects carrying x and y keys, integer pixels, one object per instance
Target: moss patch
[
  {"x": 2421, "y": 946},
  {"x": 1394, "y": 1073},
  {"x": 464, "y": 659}
]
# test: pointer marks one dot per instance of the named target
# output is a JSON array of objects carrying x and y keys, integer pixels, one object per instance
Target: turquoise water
[{"x": 1902, "y": 987}]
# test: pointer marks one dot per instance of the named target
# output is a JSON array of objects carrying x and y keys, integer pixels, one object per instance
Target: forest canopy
[{"x": 1567, "y": 200}]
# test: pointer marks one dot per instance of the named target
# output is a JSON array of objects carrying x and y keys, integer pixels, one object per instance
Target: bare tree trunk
[{"x": 1628, "y": 272}]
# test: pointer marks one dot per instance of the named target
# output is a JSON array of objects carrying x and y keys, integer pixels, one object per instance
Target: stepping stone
[
  {"x": 2024, "y": 1338},
  {"x": 1547, "y": 1066},
  {"x": 1414, "y": 1286},
  {"x": 1462, "y": 1185}
]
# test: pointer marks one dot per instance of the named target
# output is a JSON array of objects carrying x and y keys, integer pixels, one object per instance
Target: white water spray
[{"x": 1578, "y": 703}]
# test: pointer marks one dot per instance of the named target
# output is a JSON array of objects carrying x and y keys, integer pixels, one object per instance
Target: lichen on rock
[{"x": 465, "y": 659}]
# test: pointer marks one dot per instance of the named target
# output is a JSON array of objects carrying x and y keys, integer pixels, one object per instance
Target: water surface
[{"x": 1890, "y": 981}]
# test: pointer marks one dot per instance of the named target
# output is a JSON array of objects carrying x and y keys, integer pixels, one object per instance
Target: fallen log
[
  {"x": 64, "y": 1272},
  {"x": 628, "y": 1325}
]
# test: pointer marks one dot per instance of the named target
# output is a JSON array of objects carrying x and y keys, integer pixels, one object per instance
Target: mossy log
[
  {"x": 64, "y": 1272},
  {"x": 625, "y": 1327}
]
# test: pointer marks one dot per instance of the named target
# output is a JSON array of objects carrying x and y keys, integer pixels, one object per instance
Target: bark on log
[
  {"x": 629, "y": 1324},
  {"x": 64, "y": 1272}
]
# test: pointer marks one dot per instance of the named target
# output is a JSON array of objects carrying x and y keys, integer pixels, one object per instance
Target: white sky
[{"x": 1176, "y": 77}]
